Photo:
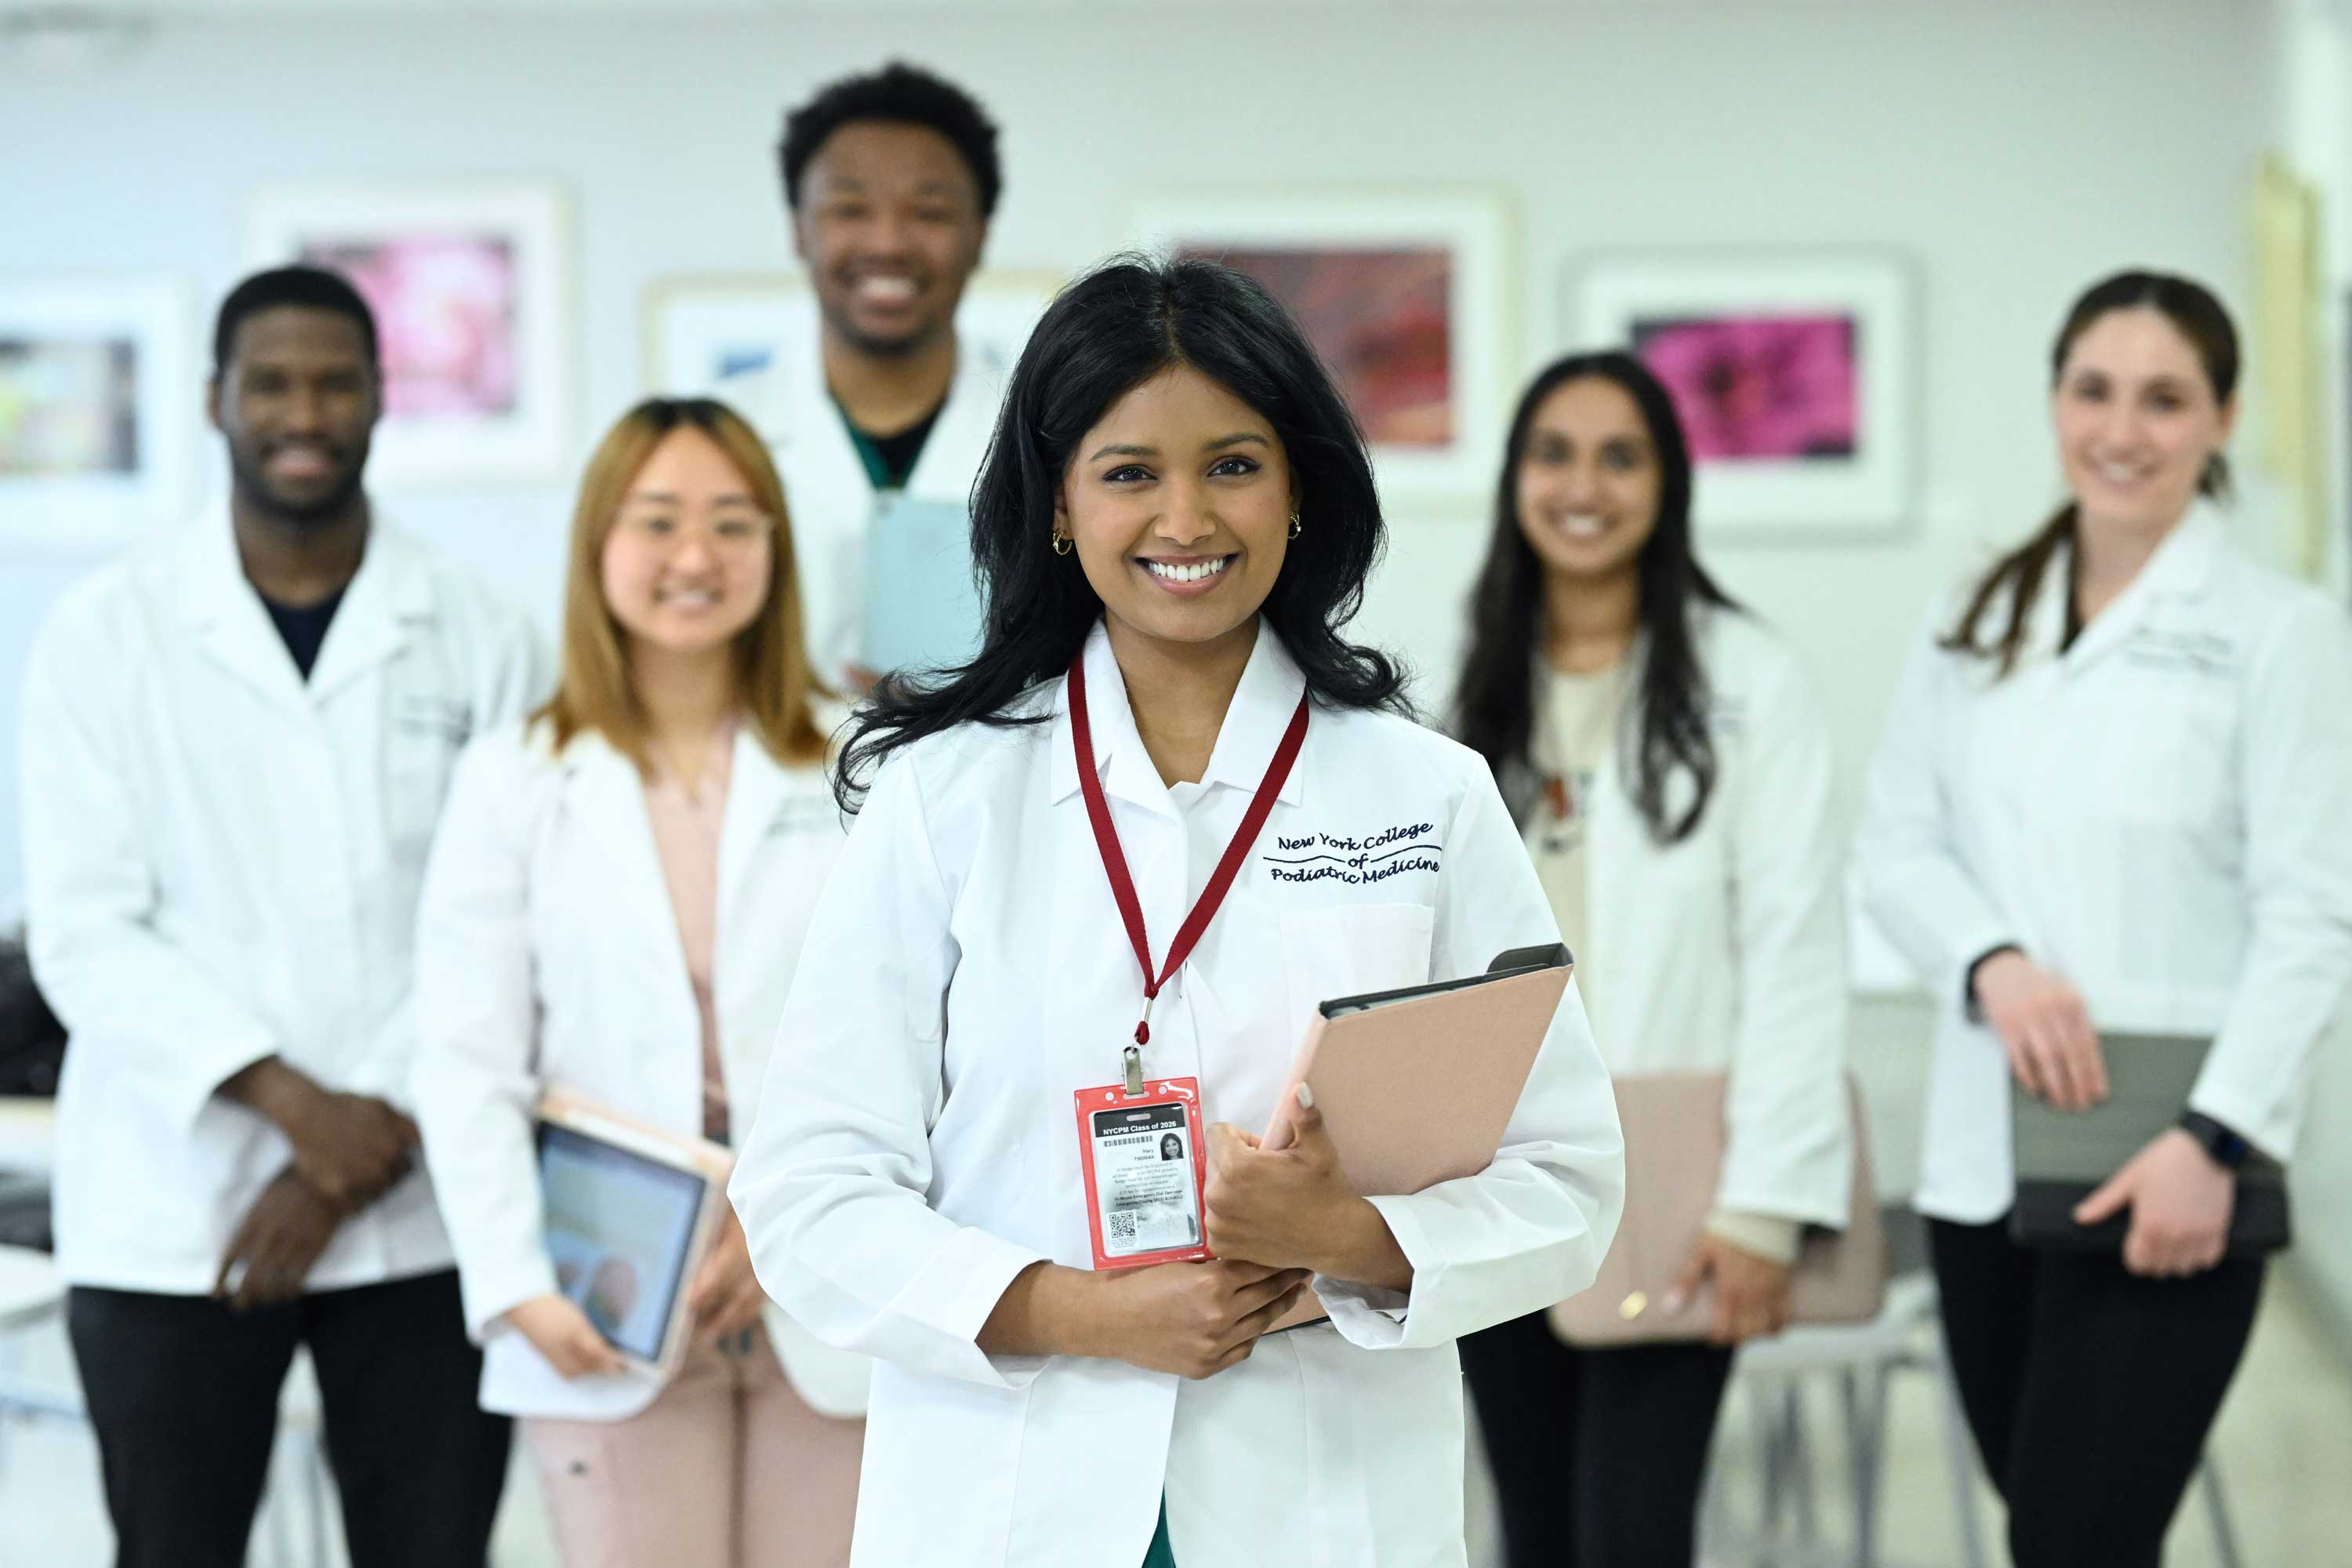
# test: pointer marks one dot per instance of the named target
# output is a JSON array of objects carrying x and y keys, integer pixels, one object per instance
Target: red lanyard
[{"x": 1114, "y": 860}]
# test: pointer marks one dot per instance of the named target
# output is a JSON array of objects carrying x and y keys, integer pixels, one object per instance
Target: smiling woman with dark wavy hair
[{"x": 1101, "y": 879}]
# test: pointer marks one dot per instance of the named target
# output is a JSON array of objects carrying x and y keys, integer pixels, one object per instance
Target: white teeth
[
  {"x": 690, "y": 598},
  {"x": 893, "y": 290},
  {"x": 1583, "y": 527},
  {"x": 1172, "y": 573}
]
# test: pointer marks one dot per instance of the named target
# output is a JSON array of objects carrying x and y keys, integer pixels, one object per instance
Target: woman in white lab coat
[
  {"x": 2112, "y": 798},
  {"x": 1175, "y": 523},
  {"x": 615, "y": 899},
  {"x": 1669, "y": 765}
]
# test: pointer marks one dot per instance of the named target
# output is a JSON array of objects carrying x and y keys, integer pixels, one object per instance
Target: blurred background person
[
  {"x": 2111, "y": 797},
  {"x": 614, "y": 906},
  {"x": 890, "y": 179},
  {"x": 236, "y": 743},
  {"x": 1669, "y": 766}
]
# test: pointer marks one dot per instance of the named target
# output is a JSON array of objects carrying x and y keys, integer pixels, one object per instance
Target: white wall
[{"x": 2012, "y": 151}]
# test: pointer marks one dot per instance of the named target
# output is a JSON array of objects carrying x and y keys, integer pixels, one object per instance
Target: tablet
[{"x": 629, "y": 1214}]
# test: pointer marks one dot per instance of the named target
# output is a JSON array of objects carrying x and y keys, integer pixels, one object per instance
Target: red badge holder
[{"x": 1128, "y": 1134}]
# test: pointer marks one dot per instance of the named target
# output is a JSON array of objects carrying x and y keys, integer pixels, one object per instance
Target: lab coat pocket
[{"x": 1345, "y": 950}]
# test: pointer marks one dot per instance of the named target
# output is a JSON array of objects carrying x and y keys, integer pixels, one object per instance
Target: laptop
[{"x": 2062, "y": 1157}]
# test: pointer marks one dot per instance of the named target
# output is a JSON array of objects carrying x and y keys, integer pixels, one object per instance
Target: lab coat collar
[
  {"x": 2180, "y": 567},
  {"x": 797, "y": 412},
  {"x": 1262, "y": 706},
  {"x": 392, "y": 592},
  {"x": 607, "y": 787}
]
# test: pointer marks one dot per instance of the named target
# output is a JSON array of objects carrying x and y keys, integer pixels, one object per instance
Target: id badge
[{"x": 1143, "y": 1159}]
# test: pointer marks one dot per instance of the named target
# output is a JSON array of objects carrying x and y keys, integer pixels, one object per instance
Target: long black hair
[
  {"x": 1106, "y": 334},
  {"x": 2200, "y": 318},
  {"x": 1494, "y": 706}
]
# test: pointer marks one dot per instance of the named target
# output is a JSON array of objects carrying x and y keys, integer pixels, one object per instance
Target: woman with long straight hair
[
  {"x": 2110, "y": 802},
  {"x": 1166, "y": 811},
  {"x": 618, "y": 892},
  {"x": 1666, "y": 758}
]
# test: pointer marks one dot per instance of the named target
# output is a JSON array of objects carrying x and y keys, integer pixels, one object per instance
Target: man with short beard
[
  {"x": 236, "y": 743},
  {"x": 891, "y": 180}
]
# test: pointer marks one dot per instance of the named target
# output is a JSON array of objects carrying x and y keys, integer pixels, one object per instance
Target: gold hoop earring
[
  {"x": 1295, "y": 530},
  {"x": 1064, "y": 544}
]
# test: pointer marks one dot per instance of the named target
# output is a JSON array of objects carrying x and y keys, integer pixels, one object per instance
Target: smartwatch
[{"x": 2225, "y": 1147}]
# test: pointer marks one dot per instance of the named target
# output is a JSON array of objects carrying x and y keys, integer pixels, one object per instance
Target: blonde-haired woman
[{"x": 616, "y": 900}]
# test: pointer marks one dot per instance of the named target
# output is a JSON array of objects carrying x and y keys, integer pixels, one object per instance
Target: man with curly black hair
[{"x": 889, "y": 179}]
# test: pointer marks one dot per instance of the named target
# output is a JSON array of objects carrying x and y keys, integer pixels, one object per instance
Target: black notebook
[{"x": 2062, "y": 1156}]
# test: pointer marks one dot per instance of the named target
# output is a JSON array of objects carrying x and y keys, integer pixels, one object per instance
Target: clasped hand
[{"x": 349, "y": 1151}]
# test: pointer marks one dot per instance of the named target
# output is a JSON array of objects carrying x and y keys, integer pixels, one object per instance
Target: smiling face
[
  {"x": 1588, "y": 480},
  {"x": 1180, "y": 500},
  {"x": 2137, "y": 421},
  {"x": 298, "y": 401},
  {"x": 688, "y": 564},
  {"x": 890, "y": 226}
]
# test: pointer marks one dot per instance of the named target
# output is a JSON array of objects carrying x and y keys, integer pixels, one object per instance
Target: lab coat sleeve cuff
[
  {"x": 1372, "y": 1317},
  {"x": 1765, "y": 1236},
  {"x": 206, "y": 1074},
  {"x": 490, "y": 1295},
  {"x": 2242, "y": 1116},
  {"x": 954, "y": 1293}
]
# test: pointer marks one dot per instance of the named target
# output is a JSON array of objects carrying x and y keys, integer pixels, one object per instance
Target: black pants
[
  {"x": 1598, "y": 1454},
  {"x": 183, "y": 1393},
  {"x": 2089, "y": 1389}
]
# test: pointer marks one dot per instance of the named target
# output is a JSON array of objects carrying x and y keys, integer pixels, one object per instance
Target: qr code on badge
[{"x": 1122, "y": 1225}]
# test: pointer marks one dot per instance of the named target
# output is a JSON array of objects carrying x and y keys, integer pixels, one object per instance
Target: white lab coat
[
  {"x": 2157, "y": 815},
  {"x": 832, "y": 501},
  {"x": 1727, "y": 951},
  {"x": 222, "y": 864},
  {"x": 547, "y": 954},
  {"x": 969, "y": 971}
]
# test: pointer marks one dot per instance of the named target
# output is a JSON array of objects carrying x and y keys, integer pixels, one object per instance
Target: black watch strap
[{"x": 2227, "y": 1149}]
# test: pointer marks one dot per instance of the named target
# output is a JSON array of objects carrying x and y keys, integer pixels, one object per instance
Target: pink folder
[{"x": 1417, "y": 1085}]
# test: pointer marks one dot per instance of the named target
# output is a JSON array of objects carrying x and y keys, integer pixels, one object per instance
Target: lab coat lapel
[
  {"x": 811, "y": 441},
  {"x": 2178, "y": 568},
  {"x": 756, "y": 787},
  {"x": 952, "y": 454},
  {"x": 387, "y": 599},
  {"x": 605, "y": 788},
  {"x": 232, "y": 626}
]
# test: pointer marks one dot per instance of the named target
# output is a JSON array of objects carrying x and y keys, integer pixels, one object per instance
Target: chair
[{"x": 1905, "y": 1336}]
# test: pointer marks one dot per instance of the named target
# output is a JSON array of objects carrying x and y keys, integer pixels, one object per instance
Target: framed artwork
[
  {"x": 1794, "y": 375},
  {"x": 101, "y": 400},
  {"x": 471, "y": 285},
  {"x": 701, "y": 335},
  {"x": 1405, "y": 295}
]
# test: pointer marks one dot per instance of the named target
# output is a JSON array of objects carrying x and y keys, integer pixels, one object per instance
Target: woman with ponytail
[{"x": 2111, "y": 802}]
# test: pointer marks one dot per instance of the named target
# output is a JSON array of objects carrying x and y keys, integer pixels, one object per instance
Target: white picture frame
[
  {"x": 101, "y": 400},
  {"x": 1430, "y": 375},
  {"x": 1827, "y": 341},
  {"x": 471, "y": 285},
  {"x": 703, "y": 336}
]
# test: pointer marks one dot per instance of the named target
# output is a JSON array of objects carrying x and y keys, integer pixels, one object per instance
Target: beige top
[
  {"x": 1575, "y": 733},
  {"x": 686, "y": 823}
]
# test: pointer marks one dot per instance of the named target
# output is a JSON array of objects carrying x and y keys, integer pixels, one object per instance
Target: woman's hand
[
  {"x": 2180, "y": 1203},
  {"x": 1751, "y": 1293},
  {"x": 562, "y": 1332},
  {"x": 726, "y": 1298},
  {"x": 2046, "y": 1030},
  {"x": 1191, "y": 1318},
  {"x": 1293, "y": 1208}
]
